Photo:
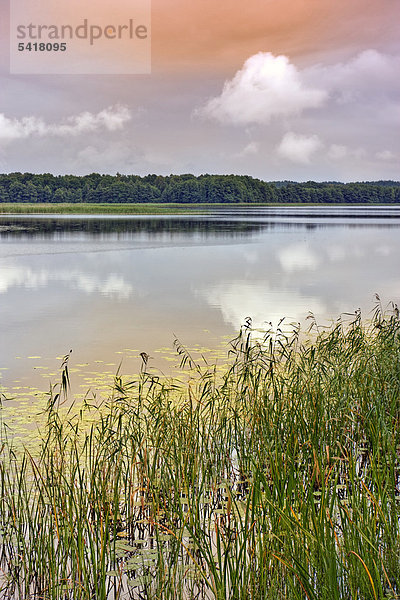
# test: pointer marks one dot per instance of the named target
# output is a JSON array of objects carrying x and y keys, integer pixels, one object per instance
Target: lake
[{"x": 112, "y": 287}]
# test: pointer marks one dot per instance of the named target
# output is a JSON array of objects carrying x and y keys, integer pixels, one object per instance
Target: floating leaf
[
  {"x": 124, "y": 547},
  {"x": 140, "y": 581}
]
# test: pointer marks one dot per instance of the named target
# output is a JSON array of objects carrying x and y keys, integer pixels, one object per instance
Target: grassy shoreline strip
[
  {"x": 149, "y": 209},
  {"x": 83, "y": 209}
]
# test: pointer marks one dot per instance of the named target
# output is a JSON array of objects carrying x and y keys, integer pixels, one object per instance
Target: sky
[{"x": 276, "y": 89}]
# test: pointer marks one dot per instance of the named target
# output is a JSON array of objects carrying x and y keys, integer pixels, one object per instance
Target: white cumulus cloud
[
  {"x": 267, "y": 86},
  {"x": 299, "y": 148},
  {"x": 111, "y": 119}
]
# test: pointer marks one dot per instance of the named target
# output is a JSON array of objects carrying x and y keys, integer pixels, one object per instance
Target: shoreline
[{"x": 156, "y": 208}]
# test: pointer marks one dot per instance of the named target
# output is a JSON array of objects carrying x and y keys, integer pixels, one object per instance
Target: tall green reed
[{"x": 277, "y": 479}]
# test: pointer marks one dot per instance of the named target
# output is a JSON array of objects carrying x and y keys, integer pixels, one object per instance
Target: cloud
[
  {"x": 298, "y": 257},
  {"x": 108, "y": 156},
  {"x": 12, "y": 129},
  {"x": 337, "y": 152},
  {"x": 113, "y": 285},
  {"x": 386, "y": 155},
  {"x": 267, "y": 86},
  {"x": 112, "y": 118},
  {"x": 299, "y": 148},
  {"x": 238, "y": 300},
  {"x": 362, "y": 78},
  {"x": 358, "y": 95},
  {"x": 249, "y": 150}
]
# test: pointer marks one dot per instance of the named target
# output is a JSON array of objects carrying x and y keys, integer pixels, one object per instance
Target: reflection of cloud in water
[
  {"x": 336, "y": 253},
  {"x": 113, "y": 285},
  {"x": 251, "y": 256},
  {"x": 383, "y": 250},
  {"x": 298, "y": 257},
  {"x": 238, "y": 300},
  {"x": 389, "y": 291}
]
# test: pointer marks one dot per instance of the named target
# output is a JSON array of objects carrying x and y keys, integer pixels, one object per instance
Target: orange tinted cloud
[{"x": 221, "y": 35}]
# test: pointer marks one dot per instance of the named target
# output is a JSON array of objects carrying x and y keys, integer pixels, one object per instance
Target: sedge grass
[
  {"x": 278, "y": 480},
  {"x": 84, "y": 208},
  {"x": 130, "y": 208},
  {"x": 151, "y": 208}
]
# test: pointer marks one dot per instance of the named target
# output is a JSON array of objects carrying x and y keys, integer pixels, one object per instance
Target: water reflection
[
  {"x": 262, "y": 302},
  {"x": 122, "y": 228},
  {"x": 298, "y": 257},
  {"x": 99, "y": 285},
  {"x": 219, "y": 223},
  {"x": 113, "y": 285}
]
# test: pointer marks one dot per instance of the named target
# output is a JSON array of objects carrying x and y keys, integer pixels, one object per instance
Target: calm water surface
[{"x": 111, "y": 287}]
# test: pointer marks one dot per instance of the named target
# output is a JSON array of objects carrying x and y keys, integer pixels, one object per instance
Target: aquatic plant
[{"x": 277, "y": 479}]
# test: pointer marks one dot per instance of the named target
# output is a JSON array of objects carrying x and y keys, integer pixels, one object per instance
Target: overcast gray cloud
[{"x": 361, "y": 79}]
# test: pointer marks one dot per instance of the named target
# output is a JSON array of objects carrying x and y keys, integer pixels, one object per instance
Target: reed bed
[
  {"x": 84, "y": 208},
  {"x": 277, "y": 480},
  {"x": 146, "y": 208}
]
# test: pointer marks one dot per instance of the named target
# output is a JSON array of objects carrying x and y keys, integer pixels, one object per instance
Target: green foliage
[
  {"x": 278, "y": 479},
  {"x": 212, "y": 189}
]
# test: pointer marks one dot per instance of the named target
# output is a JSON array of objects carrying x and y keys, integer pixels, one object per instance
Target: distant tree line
[{"x": 96, "y": 188}]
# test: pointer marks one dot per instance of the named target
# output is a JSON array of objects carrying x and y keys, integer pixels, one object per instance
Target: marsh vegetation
[{"x": 278, "y": 479}]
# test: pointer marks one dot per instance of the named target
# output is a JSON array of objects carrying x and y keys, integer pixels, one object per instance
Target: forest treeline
[{"x": 97, "y": 188}]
